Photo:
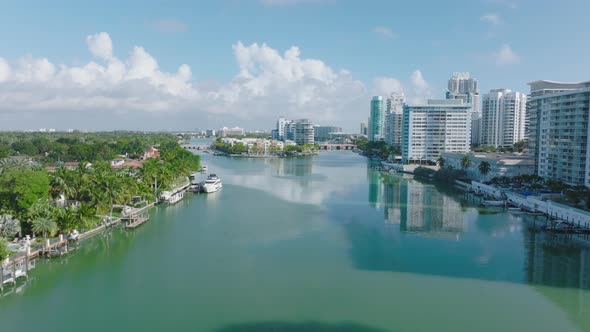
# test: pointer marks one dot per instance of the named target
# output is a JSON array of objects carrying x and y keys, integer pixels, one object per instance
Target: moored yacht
[{"x": 212, "y": 184}]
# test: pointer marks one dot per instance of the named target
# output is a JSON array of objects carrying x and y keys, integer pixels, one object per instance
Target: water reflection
[
  {"x": 438, "y": 236},
  {"x": 306, "y": 180},
  {"x": 555, "y": 260}
]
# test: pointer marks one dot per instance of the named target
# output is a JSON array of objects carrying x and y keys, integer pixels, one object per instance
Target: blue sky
[{"x": 409, "y": 45}]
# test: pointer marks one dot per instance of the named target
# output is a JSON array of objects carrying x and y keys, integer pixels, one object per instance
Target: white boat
[
  {"x": 170, "y": 197},
  {"x": 176, "y": 197},
  {"x": 212, "y": 184},
  {"x": 204, "y": 168}
]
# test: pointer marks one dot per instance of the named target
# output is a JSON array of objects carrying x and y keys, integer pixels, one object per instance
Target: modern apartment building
[
  {"x": 436, "y": 127},
  {"x": 503, "y": 115},
  {"x": 363, "y": 128},
  {"x": 376, "y": 119},
  {"x": 393, "y": 119},
  {"x": 463, "y": 86},
  {"x": 303, "y": 132},
  {"x": 558, "y": 115},
  {"x": 281, "y": 123},
  {"x": 323, "y": 133}
]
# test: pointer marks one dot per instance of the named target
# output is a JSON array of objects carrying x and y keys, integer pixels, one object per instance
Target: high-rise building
[
  {"x": 503, "y": 114},
  {"x": 558, "y": 115},
  {"x": 363, "y": 128},
  {"x": 323, "y": 133},
  {"x": 376, "y": 119},
  {"x": 394, "y": 112},
  {"x": 281, "y": 123},
  {"x": 289, "y": 131},
  {"x": 463, "y": 86},
  {"x": 303, "y": 132},
  {"x": 438, "y": 126}
]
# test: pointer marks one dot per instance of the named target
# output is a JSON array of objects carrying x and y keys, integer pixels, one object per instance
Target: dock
[{"x": 135, "y": 220}]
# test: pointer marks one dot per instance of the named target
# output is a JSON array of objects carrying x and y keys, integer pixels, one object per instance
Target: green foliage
[
  {"x": 237, "y": 148},
  {"x": 44, "y": 226},
  {"x": 465, "y": 162},
  {"x": 9, "y": 226},
  {"x": 441, "y": 162},
  {"x": 378, "y": 149},
  {"x": 21, "y": 188},
  {"x": 484, "y": 168},
  {"x": 4, "y": 252},
  {"x": 35, "y": 196},
  {"x": 448, "y": 174}
]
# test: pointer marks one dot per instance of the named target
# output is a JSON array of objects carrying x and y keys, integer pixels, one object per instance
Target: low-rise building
[
  {"x": 501, "y": 164},
  {"x": 236, "y": 131}
]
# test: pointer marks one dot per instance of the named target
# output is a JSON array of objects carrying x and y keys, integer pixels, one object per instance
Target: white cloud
[
  {"x": 384, "y": 31},
  {"x": 5, "y": 71},
  {"x": 491, "y": 18},
  {"x": 100, "y": 45},
  {"x": 168, "y": 25},
  {"x": 384, "y": 86},
  {"x": 506, "y": 56},
  {"x": 421, "y": 89},
  {"x": 136, "y": 93}
]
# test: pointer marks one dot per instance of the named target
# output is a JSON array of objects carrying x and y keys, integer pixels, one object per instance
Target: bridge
[
  {"x": 195, "y": 147},
  {"x": 337, "y": 146}
]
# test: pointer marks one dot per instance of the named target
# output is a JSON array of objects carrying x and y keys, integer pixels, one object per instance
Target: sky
[{"x": 186, "y": 65}]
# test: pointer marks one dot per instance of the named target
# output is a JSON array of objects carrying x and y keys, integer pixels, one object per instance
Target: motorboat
[
  {"x": 204, "y": 168},
  {"x": 212, "y": 184},
  {"x": 171, "y": 197}
]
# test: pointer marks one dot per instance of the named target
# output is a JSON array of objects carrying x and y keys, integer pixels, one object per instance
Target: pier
[{"x": 135, "y": 220}]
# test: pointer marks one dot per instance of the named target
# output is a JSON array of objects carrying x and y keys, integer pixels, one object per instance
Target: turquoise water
[{"x": 313, "y": 244}]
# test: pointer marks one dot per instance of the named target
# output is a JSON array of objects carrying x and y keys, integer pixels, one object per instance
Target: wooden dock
[{"x": 136, "y": 220}]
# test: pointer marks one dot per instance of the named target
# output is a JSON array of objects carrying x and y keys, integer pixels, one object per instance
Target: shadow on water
[{"x": 275, "y": 326}]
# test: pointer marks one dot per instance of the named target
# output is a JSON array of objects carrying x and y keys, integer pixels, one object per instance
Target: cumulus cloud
[
  {"x": 100, "y": 45},
  {"x": 136, "y": 93},
  {"x": 491, "y": 18},
  {"x": 421, "y": 89},
  {"x": 506, "y": 56},
  {"x": 384, "y": 86},
  {"x": 384, "y": 32}
]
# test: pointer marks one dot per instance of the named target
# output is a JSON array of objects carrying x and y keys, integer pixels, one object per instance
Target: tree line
[{"x": 37, "y": 202}]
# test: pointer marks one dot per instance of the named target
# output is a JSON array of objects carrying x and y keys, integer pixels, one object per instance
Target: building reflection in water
[
  {"x": 487, "y": 246},
  {"x": 418, "y": 207},
  {"x": 555, "y": 260}
]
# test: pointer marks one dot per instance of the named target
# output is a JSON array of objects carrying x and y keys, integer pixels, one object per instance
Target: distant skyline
[{"x": 181, "y": 65}]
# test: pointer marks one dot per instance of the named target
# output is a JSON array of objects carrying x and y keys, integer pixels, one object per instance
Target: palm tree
[
  {"x": 465, "y": 163},
  {"x": 86, "y": 216},
  {"x": 484, "y": 168},
  {"x": 44, "y": 226},
  {"x": 441, "y": 162},
  {"x": 9, "y": 226}
]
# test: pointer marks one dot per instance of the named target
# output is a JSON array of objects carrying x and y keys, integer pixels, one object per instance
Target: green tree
[
  {"x": 484, "y": 168},
  {"x": 9, "y": 226},
  {"x": 44, "y": 226},
  {"x": 4, "y": 252},
  {"x": 21, "y": 188},
  {"x": 465, "y": 162},
  {"x": 441, "y": 162}
]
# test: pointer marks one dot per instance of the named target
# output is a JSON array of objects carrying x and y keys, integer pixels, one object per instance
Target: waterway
[{"x": 312, "y": 244}]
